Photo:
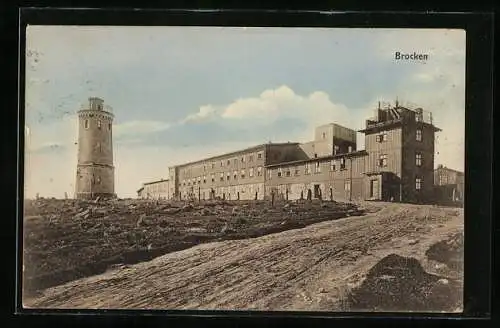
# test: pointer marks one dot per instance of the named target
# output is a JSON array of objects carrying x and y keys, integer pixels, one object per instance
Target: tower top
[{"x": 96, "y": 103}]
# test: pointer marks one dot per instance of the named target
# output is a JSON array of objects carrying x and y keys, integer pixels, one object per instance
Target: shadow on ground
[{"x": 399, "y": 283}]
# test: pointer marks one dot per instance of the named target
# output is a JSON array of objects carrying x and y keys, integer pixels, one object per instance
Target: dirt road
[{"x": 308, "y": 269}]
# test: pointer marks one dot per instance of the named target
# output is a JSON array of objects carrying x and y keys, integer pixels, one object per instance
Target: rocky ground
[
  {"x": 383, "y": 257},
  {"x": 68, "y": 239}
]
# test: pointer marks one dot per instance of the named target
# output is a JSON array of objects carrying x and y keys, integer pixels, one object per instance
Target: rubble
[{"x": 99, "y": 234}]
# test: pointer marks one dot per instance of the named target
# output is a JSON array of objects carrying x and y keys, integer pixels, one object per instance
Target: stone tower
[{"x": 95, "y": 170}]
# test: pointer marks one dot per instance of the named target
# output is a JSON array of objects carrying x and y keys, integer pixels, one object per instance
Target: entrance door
[
  {"x": 317, "y": 191},
  {"x": 374, "y": 189}
]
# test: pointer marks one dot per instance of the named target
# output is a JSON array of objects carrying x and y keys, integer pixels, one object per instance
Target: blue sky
[{"x": 182, "y": 93}]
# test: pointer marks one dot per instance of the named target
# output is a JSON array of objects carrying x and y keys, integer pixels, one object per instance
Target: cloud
[
  {"x": 204, "y": 113},
  {"x": 138, "y": 128},
  {"x": 275, "y": 104}
]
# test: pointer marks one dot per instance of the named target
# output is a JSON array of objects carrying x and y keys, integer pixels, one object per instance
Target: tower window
[
  {"x": 418, "y": 159},
  {"x": 99, "y": 124},
  {"x": 418, "y": 135},
  {"x": 418, "y": 183},
  {"x": 382, "y": 137},
  {"x": 383, "y": 160},
  {"x": 86, "y": 124},
  {"x": 109, "y": 126}
]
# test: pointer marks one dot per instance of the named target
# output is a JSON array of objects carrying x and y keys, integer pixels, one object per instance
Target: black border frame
[{"x": 479, "y": 127}]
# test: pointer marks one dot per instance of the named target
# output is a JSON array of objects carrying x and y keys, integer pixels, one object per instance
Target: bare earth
[{"x": 315, "y": 268}]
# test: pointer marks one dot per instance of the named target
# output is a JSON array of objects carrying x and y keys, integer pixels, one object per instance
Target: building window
[
  {"x": 228, "y": 176},
  {"x": 99, "y": 148},
  {"x": 250, "y": 173},
  {"x": 279, "y": 172},
  {"x": 382, "y": 137},
  {"x": 418, "y": 159},
  {"x": 109, "y": 126},
  {"x": 332, "y": 165},
  {"x": 269, "y": 174},
  {"x": 213, "y": 165},
  {"x": 342, "y": 163},
  {"x": 99, "y": 124},
  {"x": 242, "y": 174},
  {"x": 222, "y": 176},
  {"x": 221, "y": 163},
  {"x": 86, "y": 123},
  {"x": 98, "y": 180},
  {"x": 324, "y": 135},
  {"x": 259, "y": 155},
  {"x": 243, "y": 159},
  {"x": 317, "y": 167},
  {"x": 418, "y": 135},
  {"x": 308, "y": 168},
  {"x": 250, "y": 158},
  {"x": 288, "y": 173},
  {"x": 347, "y": 185},
  {"x": 382, "y": 162},
  {"x": 204, "y": 168},
  {"x": 204, "y": 179},
  {"x": 418, "y": 183},
  {"x": 259, "y": 171},
  {"x": 213, "y": 178},
  {"x": 349, "y": 149},
  {"x": 297, "y": 171},
  {"x": 235, "y": 175},
  {"x": 228, "y": 162},
  {"x": 335, "y": 149},
  {"x": 315, "y": 155}
]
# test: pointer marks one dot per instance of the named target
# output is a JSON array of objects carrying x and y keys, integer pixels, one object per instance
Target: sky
[{"x": 184, "y": 93}]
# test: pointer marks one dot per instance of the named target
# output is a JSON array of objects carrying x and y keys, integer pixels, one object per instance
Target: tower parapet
[{"x": 95, "y": 170}]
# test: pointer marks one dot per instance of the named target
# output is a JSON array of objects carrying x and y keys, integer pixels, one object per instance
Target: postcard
[{"x": 244, "y": 168}]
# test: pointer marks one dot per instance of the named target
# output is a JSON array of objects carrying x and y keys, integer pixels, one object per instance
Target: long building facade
[{"x": 397, "y": 164}]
